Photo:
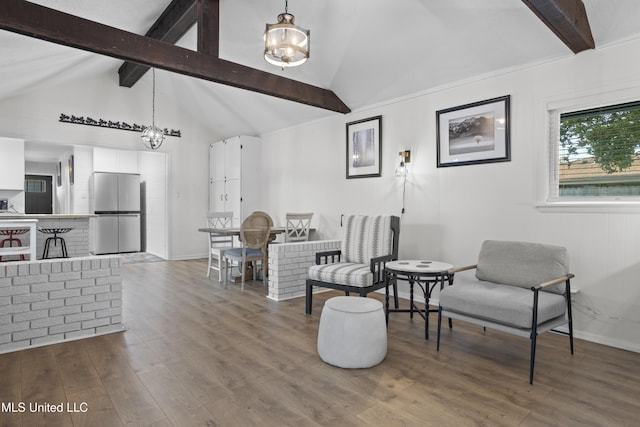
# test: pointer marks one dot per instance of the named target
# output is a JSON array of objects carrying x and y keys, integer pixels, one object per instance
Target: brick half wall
[
  {"x": 77, "y": 240},
  {"x": 51, "y": 301},
  {"x": 289, "y": 265}
]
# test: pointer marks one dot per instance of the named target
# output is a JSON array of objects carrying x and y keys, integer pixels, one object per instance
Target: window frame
[{"x": 551, "y": 110}]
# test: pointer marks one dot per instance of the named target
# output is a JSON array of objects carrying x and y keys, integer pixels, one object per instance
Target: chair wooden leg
[
  {"x": 242, "y": 273},
  {"x": 209, "y": 265},
  {"x": 226, "y": 272},
  {"x": 220, "y": 268}
]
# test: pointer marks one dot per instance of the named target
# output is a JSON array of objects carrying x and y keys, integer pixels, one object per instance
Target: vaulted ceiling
[{"x": 365, "y": 51}]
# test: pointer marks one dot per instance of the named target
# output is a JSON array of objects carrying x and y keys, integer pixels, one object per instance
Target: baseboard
[
  {"x": 598, "y": 339},
  {"x": 187, "y": 257},
  {"x": 122, "y": 328}
]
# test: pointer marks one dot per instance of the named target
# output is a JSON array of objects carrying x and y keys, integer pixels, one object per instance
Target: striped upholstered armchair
[{"x": 368, "y": 243}]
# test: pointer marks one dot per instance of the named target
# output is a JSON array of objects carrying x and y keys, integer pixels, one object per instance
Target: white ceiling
[{"x": 366, "y": 51}]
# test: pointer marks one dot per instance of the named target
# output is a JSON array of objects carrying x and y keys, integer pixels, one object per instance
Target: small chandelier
[
  {"x": 153, "y": 136},
  {"x": 286, "y": 44}
]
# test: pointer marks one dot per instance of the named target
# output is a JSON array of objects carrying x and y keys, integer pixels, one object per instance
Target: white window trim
[{"x": 629, "y": 92}]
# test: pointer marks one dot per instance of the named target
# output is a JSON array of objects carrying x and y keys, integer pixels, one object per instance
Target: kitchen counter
[
  {"x": 13, "y": 215},
  {"x": 77, "y": 239}
]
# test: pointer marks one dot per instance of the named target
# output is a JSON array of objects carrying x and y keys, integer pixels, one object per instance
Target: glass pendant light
[
  {"x": 286, "y": 44},
  {"x": 153, "y": 136}
]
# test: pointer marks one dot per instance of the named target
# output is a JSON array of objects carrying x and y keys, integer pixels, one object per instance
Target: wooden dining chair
[{"x": 254, "y": 235}]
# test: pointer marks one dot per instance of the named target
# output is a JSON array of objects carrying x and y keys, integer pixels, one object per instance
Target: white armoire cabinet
[{"x": 235, "y": 177}]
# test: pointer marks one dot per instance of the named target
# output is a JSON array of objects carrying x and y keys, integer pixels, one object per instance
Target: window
[
  {"x": 35, "y": 185},
  {"x": 596, "y": 153}
]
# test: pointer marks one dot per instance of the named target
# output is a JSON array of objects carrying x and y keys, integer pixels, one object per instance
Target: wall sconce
[{"x": 402, "y": 170}]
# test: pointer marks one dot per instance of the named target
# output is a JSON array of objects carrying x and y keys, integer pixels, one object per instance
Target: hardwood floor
[{"x": 196, "y": 353}]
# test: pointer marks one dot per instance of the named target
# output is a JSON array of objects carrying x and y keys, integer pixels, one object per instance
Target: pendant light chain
[
  {"x": 153, "y": 100},
  {"x": 152, "y": 137}
]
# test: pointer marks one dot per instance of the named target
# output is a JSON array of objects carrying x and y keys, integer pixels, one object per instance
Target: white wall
[
  {"x": 450, "y": 211},
  {"x": 34, "y": 117}
]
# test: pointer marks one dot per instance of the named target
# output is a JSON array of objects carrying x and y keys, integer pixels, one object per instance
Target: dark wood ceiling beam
[
  {"x": 567, "y": 19},
  {"x": 209, "y": 27},
  {"x": 171, "y": 25},
  {"x": 37, "y": 21}
]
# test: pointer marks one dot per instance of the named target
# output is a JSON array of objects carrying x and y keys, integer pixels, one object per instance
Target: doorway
[{"x": 38, "y": 194}]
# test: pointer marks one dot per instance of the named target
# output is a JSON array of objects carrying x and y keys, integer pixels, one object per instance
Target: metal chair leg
[
  {"x": 439, "y": 325},
  {"x": 308, "y": 298},
  {"x": 533, "y": 356}
]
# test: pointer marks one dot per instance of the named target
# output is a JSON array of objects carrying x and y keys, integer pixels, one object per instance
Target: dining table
[{"x": 235, "y": 231}]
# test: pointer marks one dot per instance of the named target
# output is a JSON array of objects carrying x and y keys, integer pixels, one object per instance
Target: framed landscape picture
[
  {"x": 71, "y": 172},
  {"x": 474, "y": 133},
  {"x": 59, "y": 174},
  {"x": 364, "y": 148}
]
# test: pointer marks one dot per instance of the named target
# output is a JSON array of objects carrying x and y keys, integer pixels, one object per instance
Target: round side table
[{"x": 426, "y": 274}]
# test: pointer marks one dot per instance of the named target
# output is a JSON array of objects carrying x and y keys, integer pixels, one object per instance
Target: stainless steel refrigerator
[{"x": 115, "y": 198}]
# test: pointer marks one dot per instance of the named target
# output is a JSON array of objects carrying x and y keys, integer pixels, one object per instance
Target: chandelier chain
[{"x": 153, "y": 100}]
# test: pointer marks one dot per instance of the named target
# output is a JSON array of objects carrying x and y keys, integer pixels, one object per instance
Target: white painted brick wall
[
  {"x": 49, "y": 301},
  {"x": 77, "y": 240},
  {"x": 289, "y": 264}
]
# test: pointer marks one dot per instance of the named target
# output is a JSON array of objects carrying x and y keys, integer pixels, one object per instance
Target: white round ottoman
[{"x": 352, "y": 332}]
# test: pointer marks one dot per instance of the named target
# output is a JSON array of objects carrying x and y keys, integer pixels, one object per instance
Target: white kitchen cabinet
[
  {"x": 111, "y": 160},
  {"x": 12, "y": 169},
  {"x": 235, "y": 177}
]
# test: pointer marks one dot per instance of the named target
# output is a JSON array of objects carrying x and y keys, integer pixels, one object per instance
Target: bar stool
[
  {"x": 11, "y": 232},
  {"x": 55, "y": 238}
]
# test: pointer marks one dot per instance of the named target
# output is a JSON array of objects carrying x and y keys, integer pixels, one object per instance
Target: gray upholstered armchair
[
  {"x": 520, "y": 288},
  {"x": 368, "y": 243}
]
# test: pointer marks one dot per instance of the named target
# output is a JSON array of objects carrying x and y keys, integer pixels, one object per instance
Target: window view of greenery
[{"x": 599, "y": 152}]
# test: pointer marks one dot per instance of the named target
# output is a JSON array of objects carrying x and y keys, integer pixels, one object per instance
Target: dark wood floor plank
[
  {"x": 77, "y": 371},
  {"x": 42, "y": 383},
  {"x": 198, "y": 353},
  {"x": 176, "y": 401},
  {"x": 94, "y": 408},
  {"x": 132, "y": 400},
  {"x": 11, "y": 388}
]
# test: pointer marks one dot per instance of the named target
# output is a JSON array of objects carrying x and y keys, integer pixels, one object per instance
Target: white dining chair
[
  {"x": 297, "y": 227},
  {"x": 218, "y": 243}
]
